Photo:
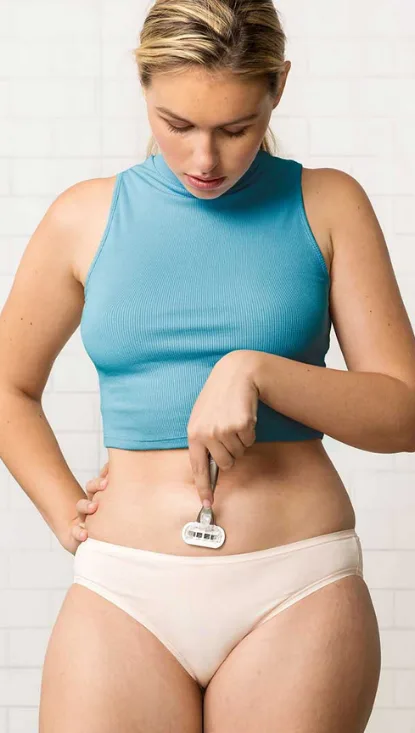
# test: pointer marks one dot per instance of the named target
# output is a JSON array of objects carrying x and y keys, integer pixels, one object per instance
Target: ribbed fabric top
[{"x": 179, "y": 281}]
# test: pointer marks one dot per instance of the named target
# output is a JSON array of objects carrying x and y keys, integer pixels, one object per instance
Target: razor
[{"x": 204, "y": 532}]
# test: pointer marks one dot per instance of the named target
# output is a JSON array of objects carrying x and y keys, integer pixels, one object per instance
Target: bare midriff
[{"x": 276, "y": 493}]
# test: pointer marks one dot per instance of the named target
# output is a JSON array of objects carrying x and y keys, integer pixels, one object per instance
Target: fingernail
[
  {"x": 82, "y": 535},
  {"x": 103, "y": 482},
  {"x": 207, "y": 503},
  {"x": 92, "y": 504}
]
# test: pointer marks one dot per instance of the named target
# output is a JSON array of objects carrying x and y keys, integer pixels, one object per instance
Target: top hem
[{"x": 183, "y": 441}]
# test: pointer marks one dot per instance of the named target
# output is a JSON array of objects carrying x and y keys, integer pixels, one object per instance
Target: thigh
[
  {"x": 313, "y": 668},
  {"x": 105, "y": 672}
]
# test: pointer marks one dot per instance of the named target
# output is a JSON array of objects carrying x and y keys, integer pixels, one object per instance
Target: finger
[
  {"x": 79, "y": 532},
  {"x": 88, "y": 488},
  {"x": 199, "y": 462},
  {"x": 104, "y": 469},
  {"x": 94, "y": 485},
  {"x": 84, "y": 506},
  {"x": 235, "y": 446},
  {"x": 247, "y": 436},
  {"x": 199, "y": 459}
]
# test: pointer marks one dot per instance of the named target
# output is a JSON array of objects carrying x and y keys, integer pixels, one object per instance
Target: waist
[{"x": 276, "y": 493}]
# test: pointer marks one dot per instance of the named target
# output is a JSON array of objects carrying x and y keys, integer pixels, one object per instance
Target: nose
[
  {"x": 206, "y": 160},
  {"x": 205, "y": 170}
]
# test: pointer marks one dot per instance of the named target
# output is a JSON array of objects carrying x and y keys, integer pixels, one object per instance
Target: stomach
[{"x": 275, "y": 494}]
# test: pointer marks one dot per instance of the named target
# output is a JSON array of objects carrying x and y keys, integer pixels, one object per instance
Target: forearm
[
  {"x": 370, "y": 411},
  {"x": 31, "y": 453}
]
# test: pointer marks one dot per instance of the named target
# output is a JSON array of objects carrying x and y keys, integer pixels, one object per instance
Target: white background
[{"x": 70, "y": 109}]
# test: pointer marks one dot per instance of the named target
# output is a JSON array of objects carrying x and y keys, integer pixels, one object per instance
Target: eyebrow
[{"x": 240, "y": 119}]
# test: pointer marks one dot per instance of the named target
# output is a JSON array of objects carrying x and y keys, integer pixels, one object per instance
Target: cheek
[
  {"x": 244, "y": 156},
  {"x": 159, "y": 130},
  {"x": 169, "y": 143}
]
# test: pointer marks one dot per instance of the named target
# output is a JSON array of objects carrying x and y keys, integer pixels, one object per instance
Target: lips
[{"x": 207, "y": 180}]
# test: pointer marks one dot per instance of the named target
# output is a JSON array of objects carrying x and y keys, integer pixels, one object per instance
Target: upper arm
[
  {"x": 45, "y": 303},
  {"x": 368, "y": 314}
]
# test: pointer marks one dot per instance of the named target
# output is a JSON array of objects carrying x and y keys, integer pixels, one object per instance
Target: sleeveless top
[{"x": 179, "y": 281}]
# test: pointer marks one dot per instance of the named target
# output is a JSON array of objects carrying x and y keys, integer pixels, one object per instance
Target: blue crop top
[{"x": 179, "y": 281}]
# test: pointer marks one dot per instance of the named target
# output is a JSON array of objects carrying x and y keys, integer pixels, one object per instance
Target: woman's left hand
[{"x": 223, "y": 418}]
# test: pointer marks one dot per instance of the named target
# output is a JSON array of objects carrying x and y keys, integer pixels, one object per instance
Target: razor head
[{"x": 203, "y": 535}]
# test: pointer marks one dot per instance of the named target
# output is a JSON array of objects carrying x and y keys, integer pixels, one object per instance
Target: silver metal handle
[
  {"x": 214, "y": 472},
  {"x": 205, "y": 515}
]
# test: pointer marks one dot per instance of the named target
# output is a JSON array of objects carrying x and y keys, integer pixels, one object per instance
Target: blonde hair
[{"x": 241, "y": 36}]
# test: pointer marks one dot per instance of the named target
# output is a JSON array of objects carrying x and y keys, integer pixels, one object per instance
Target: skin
[
  {"x": 275, "y": 493},
  {"x": 205, "y": 149},
  {"x": 227, "y": 702},
  {"x": 206, "y": 102}
]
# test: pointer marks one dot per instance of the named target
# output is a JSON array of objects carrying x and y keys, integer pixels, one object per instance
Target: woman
[{"x": 207, "y": 314}]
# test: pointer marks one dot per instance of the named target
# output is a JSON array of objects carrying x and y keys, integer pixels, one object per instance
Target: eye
[
  {"x": 185, "y": 129},
  {"x": 177, "y": 129},
  {"x": 237, "y": 134}
]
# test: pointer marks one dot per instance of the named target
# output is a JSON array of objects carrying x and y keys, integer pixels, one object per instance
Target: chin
[{"x": 207, "y": 194}]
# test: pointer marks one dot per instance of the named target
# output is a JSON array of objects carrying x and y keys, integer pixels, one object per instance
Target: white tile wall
[{"x": 71, "y": 109}]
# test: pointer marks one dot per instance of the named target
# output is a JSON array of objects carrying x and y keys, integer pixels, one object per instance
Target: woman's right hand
[{"x": 84, "y": 506}]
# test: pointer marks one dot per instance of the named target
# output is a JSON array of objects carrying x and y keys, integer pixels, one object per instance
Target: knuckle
[
  {"x": 241, "y": 426},
  {"x": 245, "y": 425},
  {"x": 228, "y": 465}
]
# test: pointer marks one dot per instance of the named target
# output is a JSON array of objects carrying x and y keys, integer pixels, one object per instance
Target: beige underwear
[{"x": 200, "y": 608}]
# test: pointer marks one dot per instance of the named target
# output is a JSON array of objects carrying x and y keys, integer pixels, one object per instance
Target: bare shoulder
[
  {"x": 87, "y": 205},
  {"x": 45, "y": 303},
  {"x": 336, "y": 200},
  {"x": 316, "y": 195}
]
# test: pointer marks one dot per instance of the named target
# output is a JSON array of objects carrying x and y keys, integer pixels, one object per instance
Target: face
[{"x": 201, "y": 135}]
